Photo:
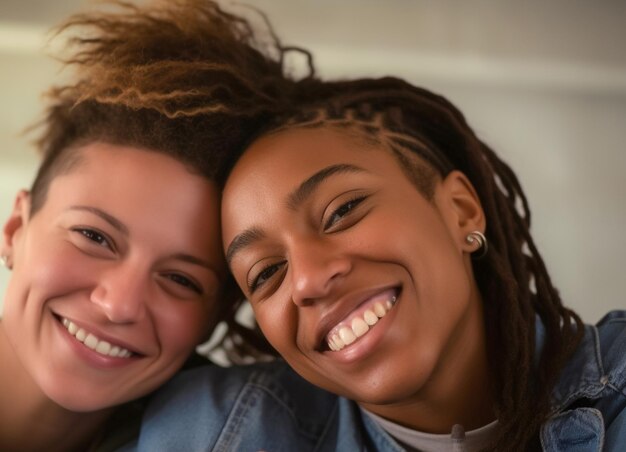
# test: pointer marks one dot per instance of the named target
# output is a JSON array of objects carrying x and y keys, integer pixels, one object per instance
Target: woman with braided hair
[{"x": 387, "y": 255}]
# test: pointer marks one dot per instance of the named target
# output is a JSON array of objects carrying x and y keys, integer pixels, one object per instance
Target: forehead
[
  {"x": 121, "y": 176},
  {"x": 299, "y": 151},
  {"x": 101, "y": 157},
  {"x": 273, "y": 172}
]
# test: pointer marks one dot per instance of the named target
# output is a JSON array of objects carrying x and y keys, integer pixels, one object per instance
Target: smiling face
[
  {"x": 115, "y": 278},
  {"x": 363, "y": 285}
]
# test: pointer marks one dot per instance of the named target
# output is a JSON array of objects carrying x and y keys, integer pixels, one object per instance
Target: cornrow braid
[{"x": 512, "y": 278}]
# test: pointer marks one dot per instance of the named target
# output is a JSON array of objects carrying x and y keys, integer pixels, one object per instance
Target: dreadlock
[{"x": 430, "y": 136}]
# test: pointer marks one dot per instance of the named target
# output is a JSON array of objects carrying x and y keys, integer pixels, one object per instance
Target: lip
[
  {"x": 343, "y": 308},
  {"x": 364, "y": 347},
  {"x": 91, "y": 356}
]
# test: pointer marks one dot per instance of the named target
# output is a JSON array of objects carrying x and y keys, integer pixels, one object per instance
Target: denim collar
[
  {"x": 583, "y": 375},
  {"x": 595, "y": 367}
]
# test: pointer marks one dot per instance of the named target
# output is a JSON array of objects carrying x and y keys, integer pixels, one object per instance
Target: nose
[
  {"x": 120, "y": 294},
  {"x": 315, "y": 270}
]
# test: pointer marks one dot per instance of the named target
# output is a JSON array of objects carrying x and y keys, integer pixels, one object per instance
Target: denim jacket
[{"x": 267, "y": 407}]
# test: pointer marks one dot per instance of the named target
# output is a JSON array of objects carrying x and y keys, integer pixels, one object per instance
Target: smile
[
  {"x": 93, "y": 342},
  {"x": 360, "y": 321}
]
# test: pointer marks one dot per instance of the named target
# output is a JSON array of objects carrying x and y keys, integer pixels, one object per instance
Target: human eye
[
  {"x": 343, "y": 210},
  {"x": 184, "y": 282},
  {"x": 258, "y": 279},
  {"x": 95, "y": 237}
]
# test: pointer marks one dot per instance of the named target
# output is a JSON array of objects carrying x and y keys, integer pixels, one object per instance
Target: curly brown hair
[{"x": 182, "y": 77}]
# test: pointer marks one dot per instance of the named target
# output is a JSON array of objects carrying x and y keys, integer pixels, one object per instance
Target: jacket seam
[
  {"x": 285, "y": 405},
  {"x": 326, "y": 429},
  {"x": 233, "y": 422}
]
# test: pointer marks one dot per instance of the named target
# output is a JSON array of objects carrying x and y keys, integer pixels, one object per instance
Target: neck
[
  {"x": 29, "y": 420},
  {"x": 460, "y": 390}
]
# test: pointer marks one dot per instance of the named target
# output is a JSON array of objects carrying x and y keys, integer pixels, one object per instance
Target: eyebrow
[
  {"x": 246, "y": 238},
  {"x": 117, "y": 224},
  {"x": 294, "y": 200},
  {"x": 304, "y": 190},
  {"x": 195, "y": 261},
  {"x": 124, "y": 230}
]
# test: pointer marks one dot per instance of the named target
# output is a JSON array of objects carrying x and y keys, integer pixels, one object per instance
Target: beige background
[{"x": 543, "y": 82}]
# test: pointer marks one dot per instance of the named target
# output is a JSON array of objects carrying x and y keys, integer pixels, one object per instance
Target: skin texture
[
  {"x": 127, "y": 247},
  {"x": 356, "y": 231}
]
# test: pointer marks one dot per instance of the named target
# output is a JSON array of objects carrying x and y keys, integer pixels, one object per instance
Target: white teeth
[
  {"x": 71, "y": 327},
  {"x": 91, "y": 341},
  {"x": 103, "y": 347},
  {"x": 346, "y": 335},
  {"x": 379, "y": 310},
  {"x": 370, "y": 318},
  {"x": 359, "y": 325}
]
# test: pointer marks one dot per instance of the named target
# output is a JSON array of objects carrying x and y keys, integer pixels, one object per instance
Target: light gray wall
[{"x": 544, "y": 83}]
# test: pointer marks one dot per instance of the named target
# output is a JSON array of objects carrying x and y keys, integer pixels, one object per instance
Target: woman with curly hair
[{"x": 115, "y": 253}]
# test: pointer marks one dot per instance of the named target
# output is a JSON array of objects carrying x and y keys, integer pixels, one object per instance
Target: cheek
[
  {"x": 48, "y": 272},
  {"x": 435, "y": 264},
  {"x": 425, "y": 240},
  {"x": 278, "y": 323},
  {"x": 181, "y": 326}
]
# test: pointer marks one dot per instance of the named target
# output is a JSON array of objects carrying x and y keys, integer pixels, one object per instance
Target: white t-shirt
[{"x": 458, "y": 440}]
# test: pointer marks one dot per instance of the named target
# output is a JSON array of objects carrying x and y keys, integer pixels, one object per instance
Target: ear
[
  {"x": 461, "y": 208},
  {"x": 15, "y": 225}
]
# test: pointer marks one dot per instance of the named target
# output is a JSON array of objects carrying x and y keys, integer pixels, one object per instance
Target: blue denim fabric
[
  {"x": 589, "y": 401},
  {"x": 268, "y": 407}
]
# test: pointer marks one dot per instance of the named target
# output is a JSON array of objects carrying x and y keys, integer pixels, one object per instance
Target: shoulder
[
  {"x": 609, "y": 336},
  {"x": 215, "y": 408},
  {"x": 612, "y": 343},
  {"x": 591, "y": 391},
  {"x": 599, "y": 360}
]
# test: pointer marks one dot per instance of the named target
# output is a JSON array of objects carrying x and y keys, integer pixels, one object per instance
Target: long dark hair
[{"x": 512, "y": 278}]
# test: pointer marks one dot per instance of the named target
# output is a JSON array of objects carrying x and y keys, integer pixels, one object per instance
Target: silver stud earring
[
  {"x": 477, "y": 237},
  {"x": 4, "y": 260}
]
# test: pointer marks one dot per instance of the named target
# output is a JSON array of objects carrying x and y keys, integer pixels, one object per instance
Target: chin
[
  {"x": 388, "y": 385},
  {"x": 388, "y": 394},
  {"x": 83, "y": 399},
  {"x": 71, "y": 402}
]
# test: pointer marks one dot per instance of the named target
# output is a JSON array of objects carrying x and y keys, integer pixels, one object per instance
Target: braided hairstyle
[{"x": 430, "y": 137}]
